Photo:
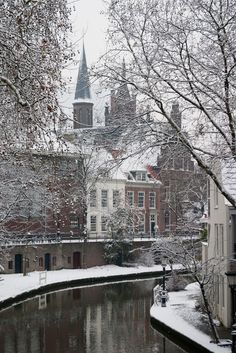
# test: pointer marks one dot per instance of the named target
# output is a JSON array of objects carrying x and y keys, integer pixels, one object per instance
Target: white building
[
  {"x": 221, "y": 246},
  {"x": 112, "y": 189}
]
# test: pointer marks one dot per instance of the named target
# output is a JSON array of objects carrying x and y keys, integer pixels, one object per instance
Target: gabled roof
[{"x": 82, "y": 90}]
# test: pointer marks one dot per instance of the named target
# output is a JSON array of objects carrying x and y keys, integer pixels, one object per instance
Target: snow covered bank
[
  {"x": 15, "y": 285},
  {"x": 168, "y": 316}
]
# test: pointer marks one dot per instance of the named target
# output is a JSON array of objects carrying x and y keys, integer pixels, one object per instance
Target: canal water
[{"x": 110, "y": 318}]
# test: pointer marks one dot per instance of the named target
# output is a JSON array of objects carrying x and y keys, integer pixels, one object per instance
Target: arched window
[{"x": 167, "y": 219}]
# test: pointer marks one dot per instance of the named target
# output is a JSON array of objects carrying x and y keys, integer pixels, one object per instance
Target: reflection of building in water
[
  {"x": 99, "y": 319},
  {"x": 131, "y": 316}
]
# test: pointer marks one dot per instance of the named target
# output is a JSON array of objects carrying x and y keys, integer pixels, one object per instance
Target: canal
[{"x": 110, "y": 318}]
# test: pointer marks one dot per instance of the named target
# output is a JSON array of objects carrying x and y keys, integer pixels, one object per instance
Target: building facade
[
  {"x": 183, "y": 191},
  {"x": 220, "y": 247}
]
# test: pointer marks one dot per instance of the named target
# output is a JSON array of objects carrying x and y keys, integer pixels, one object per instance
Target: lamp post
[
  {"x": 233, "y": 335},
  {"x": 163, "y": 293},
  {"x": 231, "y": 280}
]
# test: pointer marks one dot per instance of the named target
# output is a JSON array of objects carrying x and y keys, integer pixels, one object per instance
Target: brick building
[{"x": 183, "y": 191}]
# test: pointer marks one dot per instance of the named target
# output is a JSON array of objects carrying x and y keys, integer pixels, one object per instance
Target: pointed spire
[
  {"x": 123, "y": 91},
  {"x": 82, "y": 90}
]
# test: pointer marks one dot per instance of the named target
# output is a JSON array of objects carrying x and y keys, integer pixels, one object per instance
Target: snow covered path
[{"x": 169, "y": 316}]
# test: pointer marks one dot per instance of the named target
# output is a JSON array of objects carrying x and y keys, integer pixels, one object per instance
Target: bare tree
[
  {"x": 122, "y": 225},
  {"x": 180, "y": 50},
  {"x": 38, "y": 194},
  {"x": 187, "y": 252},
  {"x": 183, "y": 201},
  {"x": 33, "y": 50}
]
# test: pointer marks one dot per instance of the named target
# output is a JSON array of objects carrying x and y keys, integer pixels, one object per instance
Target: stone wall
[{"x": 55, "y": 256}]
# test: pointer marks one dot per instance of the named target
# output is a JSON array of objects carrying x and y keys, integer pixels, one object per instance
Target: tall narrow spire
[
  {"x": 82, "y": 90},
  {"x": 83, "y": 105}
]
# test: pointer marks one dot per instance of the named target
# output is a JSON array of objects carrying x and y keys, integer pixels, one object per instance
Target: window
[
  {"x": 167, "y": 219},
  {"x": 116, "y": 198},
  {"x": 167, "y": 193},
  {"x": 217, "y": 289},
  {"x": 216, "y": 196},
  {"x": 152, "y": 199},
  {"x": 153, "y": 227},
  {"x": 10, "y": 265},
  {"x": 141, "y": 199},
  {"x": 221, "y": 231},
  {"x": 93, "y": 223},
  {"x": 104, "y": 195},
  {"x": 208, "y": 197},
  {"x": 40, "y": 262},
  {"x": 74, "y": 221},
  {"x": 93, "y": 198},
  {"x": 141, "y": 227},
  {"x": 216, "y": 239},
  {"x": 153, "y": 218},
  {"x": 130, "y": 198},
  {"x": 54, "y": 261},
  {"x": 171, "y": 164},
  {"x": 222, "y": 291},
  {"x": 130, "y": 224},
  {"x": 208, "y": 232},
  {"x": 103, "y": 223},
  {"x": 141, "y": 176}
]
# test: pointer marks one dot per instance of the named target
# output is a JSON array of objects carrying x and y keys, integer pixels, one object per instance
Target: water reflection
[{"x": 112, "y": 318}]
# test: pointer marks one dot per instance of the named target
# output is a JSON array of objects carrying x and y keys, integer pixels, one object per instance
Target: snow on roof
[
  {"x": 83, "y": 100},
  {"x": 119, "y": 167},
  {"x": 53, "y": 144},
  {"x": 137, "y": 158},
  {"x": 229, "y": 176}
]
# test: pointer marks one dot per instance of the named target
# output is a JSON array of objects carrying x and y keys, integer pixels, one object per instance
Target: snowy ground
[
  {"x": 15, "y": 284},
  {"x": 180, "y": 314}
]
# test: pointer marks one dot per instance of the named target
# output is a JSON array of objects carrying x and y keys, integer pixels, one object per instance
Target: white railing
[
  {"x": 159, "y": 295},
  {"x": 42, "y": 278}
]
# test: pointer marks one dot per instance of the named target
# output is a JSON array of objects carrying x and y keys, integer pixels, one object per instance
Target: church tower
[
  {"x": 176, "y": 114},
  {"x": 83, "y": 106},
  {"x": 123, "y": 104}
]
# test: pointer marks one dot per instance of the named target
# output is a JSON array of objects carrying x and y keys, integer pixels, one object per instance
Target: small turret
[{"x": 176, "y": 114}]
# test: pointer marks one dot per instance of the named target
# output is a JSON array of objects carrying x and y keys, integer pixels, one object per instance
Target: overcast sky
[{"x": 88, "y": 20}]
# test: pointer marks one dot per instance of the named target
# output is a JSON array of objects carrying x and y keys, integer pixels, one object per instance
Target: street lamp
[
  {"x": 164, "y": 292},
  {"x": 231, "y": 277}
]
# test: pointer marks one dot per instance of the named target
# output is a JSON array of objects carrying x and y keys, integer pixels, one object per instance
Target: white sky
[{"x": 87, "y": 19}]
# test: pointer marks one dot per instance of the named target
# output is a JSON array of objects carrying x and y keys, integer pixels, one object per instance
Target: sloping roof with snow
[
  {"x": 138, "y": 161},
  {"x": 120, "y": 167}
]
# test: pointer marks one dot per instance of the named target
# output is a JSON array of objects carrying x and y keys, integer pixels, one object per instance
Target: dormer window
[{"x": 141, "y": 176}]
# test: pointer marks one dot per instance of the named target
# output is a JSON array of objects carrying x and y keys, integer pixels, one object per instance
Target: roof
[
  {"x": 119, "y": 166},
  {"x": 82, "y": 90}
]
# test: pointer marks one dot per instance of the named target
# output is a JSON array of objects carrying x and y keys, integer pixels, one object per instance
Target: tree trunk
[{"x": 208, "y": 311}]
